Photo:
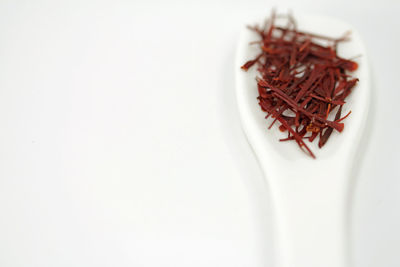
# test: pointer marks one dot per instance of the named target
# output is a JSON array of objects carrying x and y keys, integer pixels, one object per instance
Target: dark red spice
[{"x": 301, "y": 82}]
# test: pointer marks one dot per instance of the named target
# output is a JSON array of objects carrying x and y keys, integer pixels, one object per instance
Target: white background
[{"x": 120, "y": 143}]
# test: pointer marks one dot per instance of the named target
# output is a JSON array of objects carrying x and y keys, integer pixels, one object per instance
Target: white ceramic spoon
[{"x": 310, "y": 196}]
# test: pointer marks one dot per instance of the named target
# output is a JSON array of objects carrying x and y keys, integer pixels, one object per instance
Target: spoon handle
[{"x": 311, "y": 216}]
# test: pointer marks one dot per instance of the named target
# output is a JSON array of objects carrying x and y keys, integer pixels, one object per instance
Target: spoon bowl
[{"x": 310, "y": 196}]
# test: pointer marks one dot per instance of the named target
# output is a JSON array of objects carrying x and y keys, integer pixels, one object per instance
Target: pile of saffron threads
[{"x": 301, "y": 81}]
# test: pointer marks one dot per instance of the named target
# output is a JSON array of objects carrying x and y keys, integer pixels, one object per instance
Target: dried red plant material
[{"x": 301, "y": 82}]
